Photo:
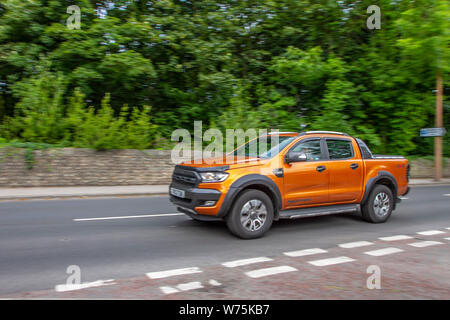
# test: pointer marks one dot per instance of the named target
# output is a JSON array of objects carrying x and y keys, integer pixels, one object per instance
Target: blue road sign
[{"x": 432, "y": 132}]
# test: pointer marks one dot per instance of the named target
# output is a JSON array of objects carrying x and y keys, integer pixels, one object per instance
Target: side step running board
[{"x": 318, "y": 211}]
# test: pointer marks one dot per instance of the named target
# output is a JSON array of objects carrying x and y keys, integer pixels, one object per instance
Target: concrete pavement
[{"x": 113, "y": 191}]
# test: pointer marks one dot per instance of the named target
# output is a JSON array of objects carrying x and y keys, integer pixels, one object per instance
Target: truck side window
[
  {"x": 365, "y": 151},
  {"x": 339, "y": 149},
  {"x": 310, "y": 148}
]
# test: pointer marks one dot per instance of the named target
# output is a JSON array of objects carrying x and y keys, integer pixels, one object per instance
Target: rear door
[
  {"x": 345, "y": 169},
  {"x": 306, "y": 182}
]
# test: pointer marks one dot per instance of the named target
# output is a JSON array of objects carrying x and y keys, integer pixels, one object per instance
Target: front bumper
[{"x": 193, "y": 198}]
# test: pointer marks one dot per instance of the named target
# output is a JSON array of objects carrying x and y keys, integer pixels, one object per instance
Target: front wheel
[
  {"x": 251, "y": 215},
  {"x": 378, "y": 207}
]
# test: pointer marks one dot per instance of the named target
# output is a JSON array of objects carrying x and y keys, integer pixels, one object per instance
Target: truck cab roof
[{"x": 290, "y": 133}]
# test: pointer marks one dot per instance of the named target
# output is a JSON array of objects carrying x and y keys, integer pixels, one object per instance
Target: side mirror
[{"x": 296, "y": 157}]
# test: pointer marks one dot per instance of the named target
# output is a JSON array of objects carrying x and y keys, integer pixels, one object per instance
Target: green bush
[
  {"x": 41, "y": 117},
  {"x": 38, "y": 114},
  {"x": 101, "y": 130}
]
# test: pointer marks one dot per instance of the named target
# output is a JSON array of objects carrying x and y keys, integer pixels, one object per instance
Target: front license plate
[{"x": 177, "y": 192}]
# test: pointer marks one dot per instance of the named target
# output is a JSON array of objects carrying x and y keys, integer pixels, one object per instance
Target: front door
[{"x": 306, "y": 182}]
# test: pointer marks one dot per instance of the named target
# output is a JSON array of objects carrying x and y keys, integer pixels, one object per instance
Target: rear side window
[
  {"x": 365, "y": 151},
  {"x": 339, "y": 149}
]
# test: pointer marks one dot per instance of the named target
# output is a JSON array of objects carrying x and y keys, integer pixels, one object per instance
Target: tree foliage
[{"x": 233, "y": 64}]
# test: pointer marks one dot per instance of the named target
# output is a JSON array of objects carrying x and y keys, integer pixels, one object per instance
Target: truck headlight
[{"x": 213, "y": 176}]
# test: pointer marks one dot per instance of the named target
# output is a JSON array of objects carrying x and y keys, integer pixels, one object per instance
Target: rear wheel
[
  {"x": 251, "y": 215},
  {"x": 379, "y": 205}
]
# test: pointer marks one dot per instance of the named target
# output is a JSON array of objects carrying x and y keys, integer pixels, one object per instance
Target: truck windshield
[{"x": 264, "y": 147}]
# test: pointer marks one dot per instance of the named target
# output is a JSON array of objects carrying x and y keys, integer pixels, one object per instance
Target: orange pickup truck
[{"x": 305, "y": 174}]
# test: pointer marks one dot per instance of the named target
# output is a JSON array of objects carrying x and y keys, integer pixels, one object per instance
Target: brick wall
[{"x": 85, "y": 167}]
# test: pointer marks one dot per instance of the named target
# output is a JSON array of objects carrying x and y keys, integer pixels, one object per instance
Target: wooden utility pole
[{"x": 438, "y": 124}]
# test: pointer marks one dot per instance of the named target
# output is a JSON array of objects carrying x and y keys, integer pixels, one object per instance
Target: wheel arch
[
  {"x": 252, "y": 181},
  {"x": 383, "y": 178}
]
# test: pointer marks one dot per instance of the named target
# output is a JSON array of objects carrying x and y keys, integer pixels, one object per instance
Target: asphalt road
[{"x": 40, "y": 239}]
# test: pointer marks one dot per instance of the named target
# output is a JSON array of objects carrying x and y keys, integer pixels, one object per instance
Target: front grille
[
  {"x": 186, "y": 177},
  {"x": 178, "y": 199}
]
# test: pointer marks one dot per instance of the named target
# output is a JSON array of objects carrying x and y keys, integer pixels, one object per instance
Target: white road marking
[
  {"x": 423, "y": 244},
  {"x": 447, "y": 195},
  {"x": 71, "y": 287},
  {"x": 395, "y": 238},
  {"x": 182, "y": 287},
  {"x": 404, "y": 198},
  {"x": 305, "y": 252},
  {"x": 447, "y": 239},
  {"x": 214, "y": 283},
  {"x": 430, "y": 232},
  {"x": 243, "y": 262},
  {"x": 383, "y": 252},
  {"x": 171, "y": 273},
  {"x": 447, "y": 228},
  {"x": 269, "y": 271},
  {"x": 356, "y": 244},
  {"x": 131, "y": 217},
  {"x": 190, "y": 286},
  {"x": 330, "y": 261}
]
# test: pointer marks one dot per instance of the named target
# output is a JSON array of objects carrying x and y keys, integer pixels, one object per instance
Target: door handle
[
  {"x": 354, "y": 166},
  {"x": 321, "y": 168}
]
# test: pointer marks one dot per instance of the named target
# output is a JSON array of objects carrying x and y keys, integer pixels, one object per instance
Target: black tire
[
  {"x": 247, "y": 198},
  {"x": 371, "y": 212}
]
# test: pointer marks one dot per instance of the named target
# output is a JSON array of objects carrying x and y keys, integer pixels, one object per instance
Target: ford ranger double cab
[{"x": 306, "y": 174}]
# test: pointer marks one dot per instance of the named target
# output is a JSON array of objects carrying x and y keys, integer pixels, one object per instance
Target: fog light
[{"x": 209, "y": 203}]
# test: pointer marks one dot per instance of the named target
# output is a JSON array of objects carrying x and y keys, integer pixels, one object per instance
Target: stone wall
[
  {"x": 86, "y": 167},
  {"x": 423, "y": 168}
]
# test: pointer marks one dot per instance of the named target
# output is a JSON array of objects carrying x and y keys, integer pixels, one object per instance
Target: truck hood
[{"x": 232, "y": 162}]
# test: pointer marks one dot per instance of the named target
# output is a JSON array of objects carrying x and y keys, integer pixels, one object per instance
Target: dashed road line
[
  {"x": 305, "y": 252},
  {"x": 79, "y": 286},
  {"x": 131, "y": 217},
  {"x": 331, "y": 261},
  {"x": 395, "y": 238},
  {"x": 447, "y": 239},
  {"x": 182, "y": 287},
  {"x": 168, "y": 290},
  {"x": 383, "y": 252},
  {"x": 189, "y": 286},
  {"x": 423, "y": 244},
  {"x": 356, "y": 244},
  {"x": 269, "y": 271},
  {"x": 430, "y": 232},
  {"x": 243, "y": 262},
  {"x": 171, "y": 273},
  {"x": 214, "y": 283}
]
